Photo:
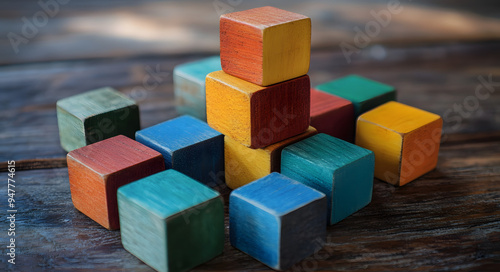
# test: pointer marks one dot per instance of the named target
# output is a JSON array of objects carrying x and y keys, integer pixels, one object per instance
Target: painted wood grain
[
  {"x": 94, "y": 116},
  {"x": 405, "y": 141},
  {"x": 277, "y": 220},
  {"x": 265, "y": 45},
  {"x": 341, "y": 170},
  {"x": 257, "y": 116},
  {"x": 365, "y": 94},
  {"x": 189, "y": 146},
  {"x": 244, "y": 165},
  {"x": 170, "y": 221},
  {"x": 97, "y": 170},
  {"x": 189, "y": 86},
  {"x": 332, "y": 115}
]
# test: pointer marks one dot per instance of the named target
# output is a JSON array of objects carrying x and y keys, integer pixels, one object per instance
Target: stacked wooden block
[{"x": 285, "y": 148}]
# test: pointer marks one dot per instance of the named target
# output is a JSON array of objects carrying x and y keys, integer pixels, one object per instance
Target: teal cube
[
  {"x": 96, "y": 115},
  {"x": 340, "y": 170},
  {"x": 365, "y": 94},
  {"x": 189, "y": 86},
  {"x": 170, "y": 221}
]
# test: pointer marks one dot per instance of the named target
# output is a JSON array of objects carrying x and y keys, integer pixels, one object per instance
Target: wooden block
[
  {"x": 265, "y": 45},
  {"x": 277, "y": 220},
  {"x": 94, "y": 116},
  {"x": 189, "y": 146},
  {"x": 170, "y": 221},
  {"x": 341, "y": 170},
  {"x": 244, "y": 165},
  {"x": 97, "y": 170},
  {"x": 332, "y": 115},
  {"x": 257, "y": 116},
  {"x": 189, "y": 86},
  {"x": 405, "y": 141},
  {"x": 365, "y": 94}
]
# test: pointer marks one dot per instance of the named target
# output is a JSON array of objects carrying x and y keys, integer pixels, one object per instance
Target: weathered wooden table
[{"x": 448, "y": 219}]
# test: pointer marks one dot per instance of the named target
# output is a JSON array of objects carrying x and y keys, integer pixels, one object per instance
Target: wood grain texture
[
  {"x": 341, "y": 170},
  {"x": 365, "y": 94},
  {"x": 332, "y": 115},
  {"x": 170, "y": 221},
  {"x": 97, "y": 170},
  {"x": 94, "y": 116},
  {"x": 189, "y": 146},
  {"x": 265, "y": 45},
  {"x": 405, "y": 141},
  {"x": 448, "y": 219},
  {"x": 277, "y": 220},
  {"x": 189, "y": 86},
  {"x": 257, "y": 116},
  {"x": 244, "y": 165}
]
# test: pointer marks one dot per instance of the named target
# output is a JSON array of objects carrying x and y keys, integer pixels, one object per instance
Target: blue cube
[
  {"x": 170, "y": 221},
  {"x": 341, "y": 170},
  {"x": 189, "y": 146},
  {"x": 277, "y": 220},
  {"x": 189, "y": 86}
]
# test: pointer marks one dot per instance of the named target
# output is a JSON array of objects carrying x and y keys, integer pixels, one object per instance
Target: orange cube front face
[
  {"x": 405, "y": 141},
  {"x": 97, "y": 171},
  {"x": 257, "y": 116},
  {"x": 265, "y": 45}
]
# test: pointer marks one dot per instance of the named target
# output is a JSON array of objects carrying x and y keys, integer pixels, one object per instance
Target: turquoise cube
[
  {"x": 189, "y": 86},
  {"x": 170, "y": 221},
  {"x": 341, "y": 170},
  {"x": 189, "y": 146},
  {"x": 277, "y": 220},
  {"x": 365, "y": 94},
  {"x": 96, "y": 115}
]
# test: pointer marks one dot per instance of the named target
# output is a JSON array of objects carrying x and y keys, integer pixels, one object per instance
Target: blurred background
[
  {"x": 433, "y": 52},
  {"x": 101, "y": 29}
]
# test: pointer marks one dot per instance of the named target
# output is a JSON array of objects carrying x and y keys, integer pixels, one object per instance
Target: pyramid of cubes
[{"x": 287, "y": 150}]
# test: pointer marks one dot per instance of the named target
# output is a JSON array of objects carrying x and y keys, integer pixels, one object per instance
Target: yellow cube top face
[
  {"x": 286, "y": 51},
  {"x": 399, "y": 117}
]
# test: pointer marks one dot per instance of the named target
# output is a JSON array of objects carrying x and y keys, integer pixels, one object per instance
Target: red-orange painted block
[
  {"x": 97, "y": 170},
  {"x": 332, "y": 115}
]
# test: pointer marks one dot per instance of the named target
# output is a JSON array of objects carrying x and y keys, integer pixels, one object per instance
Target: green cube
[
  {"x": 170, "y": 221},
  {"x": 365, "y": 94},
  {"x": 96, "y": 115}
]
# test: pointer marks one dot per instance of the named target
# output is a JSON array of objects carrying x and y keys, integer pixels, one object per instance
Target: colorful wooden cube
[
  {"x": 405, "y": 141},
  {"x": 96, "y": 115},
  {"x": 97, "y": 170},
  {"x": 332, "y": 115},
  {"x": 189, "y": 146},
  {"x": 189, "y": 86},
  {"x": 265, "y": 45},
  {"x": 365, "y": 94},
  {"x": 170, "y": 221},
  {"x": 341, "y": 170},
  {"x": 277, "y": 220},
  {"x": 244, "y": 165},
  {"x": 257, "y": 116}
]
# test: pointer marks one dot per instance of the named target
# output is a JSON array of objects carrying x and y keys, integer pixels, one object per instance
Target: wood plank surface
[{"x": 447, "y": 220}]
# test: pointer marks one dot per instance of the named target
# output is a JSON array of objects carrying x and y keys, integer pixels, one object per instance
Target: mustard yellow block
[
  {"x": 257, "y": 116},
  {"x": 405, "y": 141},
  {"x": 244, "y": 165},
  {"x": 286, "y": 51}
]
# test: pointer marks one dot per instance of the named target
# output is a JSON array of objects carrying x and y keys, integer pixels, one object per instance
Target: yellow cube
[
  {"x": 405, "y": 141},
  {"x": 244, "y": 165}
]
